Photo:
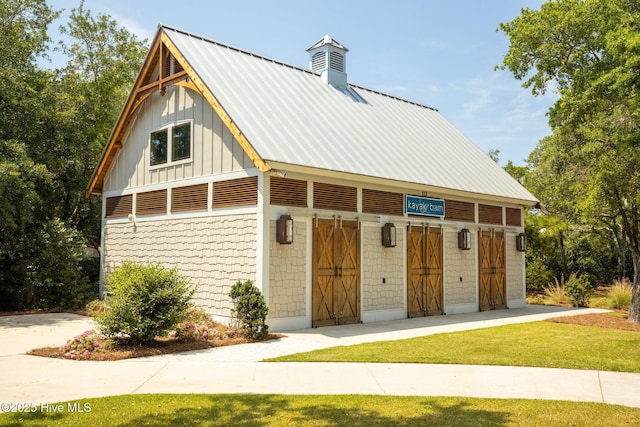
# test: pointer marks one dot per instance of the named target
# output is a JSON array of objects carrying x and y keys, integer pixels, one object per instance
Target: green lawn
[
  {"x": 309, "y": 410},
  {"x": 531, "y": 344},
  {"x": 544, "y": 344}
]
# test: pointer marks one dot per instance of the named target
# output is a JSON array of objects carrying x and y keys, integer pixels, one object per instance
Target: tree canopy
[
  {"x": 586, "y": 170},
  {"x": 53, "y": 126}
]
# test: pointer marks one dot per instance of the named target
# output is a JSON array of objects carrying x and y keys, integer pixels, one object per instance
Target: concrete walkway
[{"x": 236, "y": 369}]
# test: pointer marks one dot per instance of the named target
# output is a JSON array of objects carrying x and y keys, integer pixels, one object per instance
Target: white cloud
[
  {"x": 134, "y": 27},
  {"x": 497, "y": 113}
]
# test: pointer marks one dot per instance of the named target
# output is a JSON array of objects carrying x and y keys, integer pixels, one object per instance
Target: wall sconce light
[
  {"x": 464, "y": 239},
  {"x": 284, "y": 230},
  {"x": 389, "y": 235},
  {"x": 521, "y": 242}
]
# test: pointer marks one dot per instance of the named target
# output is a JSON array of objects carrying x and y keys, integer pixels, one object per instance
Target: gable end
[{"x": 164, "y": 66}]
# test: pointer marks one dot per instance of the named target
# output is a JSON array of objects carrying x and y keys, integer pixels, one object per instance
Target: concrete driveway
[{"x": 237, "y": 369}]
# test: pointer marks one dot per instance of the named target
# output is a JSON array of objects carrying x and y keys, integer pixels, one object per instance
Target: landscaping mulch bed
[
  {"x": 603, "y": 320},
  {"x": 615, "y": 320},
  {"x": 159, "y": 347}
]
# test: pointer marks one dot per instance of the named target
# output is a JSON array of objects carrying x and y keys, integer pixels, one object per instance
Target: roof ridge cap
[
  {"x": 237, "y": 49},
  {"x": 295, "y": 67},
  {"x": 388, "y": 95}
]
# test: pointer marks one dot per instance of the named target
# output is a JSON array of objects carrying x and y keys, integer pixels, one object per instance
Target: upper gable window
[{"x": 170, "y": 145}]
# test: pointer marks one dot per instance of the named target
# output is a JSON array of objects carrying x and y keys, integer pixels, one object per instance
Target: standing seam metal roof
[{"x": 289, "y": 115}]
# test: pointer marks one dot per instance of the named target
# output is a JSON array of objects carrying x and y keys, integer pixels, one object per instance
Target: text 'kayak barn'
[{"x": 343, "y": 204}]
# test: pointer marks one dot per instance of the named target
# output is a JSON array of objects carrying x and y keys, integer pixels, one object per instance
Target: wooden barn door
[
  {"x": 493, "y": 278},
  {"x": 424, "y": 272},
  {"x": 336, "y": 273}
]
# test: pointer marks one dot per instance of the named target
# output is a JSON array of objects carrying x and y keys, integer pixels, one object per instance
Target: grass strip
[
  {"x": 325, "y": 410},
  {"x": 541, "y": 344}
]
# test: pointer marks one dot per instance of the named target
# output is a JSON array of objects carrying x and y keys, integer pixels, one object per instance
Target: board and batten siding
[{"x": 215, "y": 150}]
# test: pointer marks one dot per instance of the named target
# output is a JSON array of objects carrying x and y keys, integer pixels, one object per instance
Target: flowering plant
[
  {"x": 197, "y": 331},
  {"x": 198, "y": 326},
  {"x": 81, "y": 346}
]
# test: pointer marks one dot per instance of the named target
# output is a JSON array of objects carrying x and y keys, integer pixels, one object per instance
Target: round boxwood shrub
[
  {"x": 579, "y": 289},
  {"x": 250, "y": 310},
  {"x": 146, "y": 301}
]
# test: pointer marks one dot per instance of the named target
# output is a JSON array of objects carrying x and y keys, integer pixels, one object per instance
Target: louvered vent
[
  {"x": 151, "y": 202},
  {"x": 336, "y": 61},
  {"x": 118, "y": 206},
  {"x": 459, "y": 211},
  {"x": 382, "y": 202},
  {"x": 177, "y": 67},
  {"x": 490, "y": 214},
  {"x": 514, "y": 217},
  {"x": 328, "y": 58},
  {"x": 318, "y": 62},
  {"x": 335, "y": 197},
  {"x": 190, "y": 198},
  {"x": 288, "y": 192},
  {"x": 171, "y": 65},
  {"x": 235, "y": 192}
]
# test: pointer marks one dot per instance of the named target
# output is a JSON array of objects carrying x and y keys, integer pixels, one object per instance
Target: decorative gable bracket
[{"x": 164, "y": 66}]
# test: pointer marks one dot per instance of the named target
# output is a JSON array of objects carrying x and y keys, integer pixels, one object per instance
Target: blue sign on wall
[{"x": 414, "y": 205}]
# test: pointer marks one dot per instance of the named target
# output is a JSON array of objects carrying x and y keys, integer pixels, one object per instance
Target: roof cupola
[{"x": 328, "y": 58}]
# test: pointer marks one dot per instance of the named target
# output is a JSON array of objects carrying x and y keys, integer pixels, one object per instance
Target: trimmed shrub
[
  {"x": 619, "y": 295},
  {"x": 579, "y": 288},
  {"x": 147, "y": 301},
  {"x": 250, "y": 310}
]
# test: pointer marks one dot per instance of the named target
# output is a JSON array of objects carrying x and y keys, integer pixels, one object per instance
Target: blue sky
[{"x": 438, "y": 53}]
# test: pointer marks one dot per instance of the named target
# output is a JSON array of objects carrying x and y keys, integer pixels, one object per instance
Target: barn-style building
[{"x": 343, "y": 204}]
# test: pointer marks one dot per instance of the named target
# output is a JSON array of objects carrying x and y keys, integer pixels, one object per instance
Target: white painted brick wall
[
  {"x": 379, "y": 262},
  {"x": 288, "y": 273},
  {"x": 213, "y": 252}
]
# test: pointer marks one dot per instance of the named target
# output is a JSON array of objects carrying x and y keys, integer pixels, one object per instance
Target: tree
[
  {"x": 103, "y": 62},
  {"x": 589, "y": 52},
  {"x": 23, "y": 26},
  {"x": 494, "y": 154},
  {"x": 53, "y": 126},
  {"x": 23, "y": 39}
]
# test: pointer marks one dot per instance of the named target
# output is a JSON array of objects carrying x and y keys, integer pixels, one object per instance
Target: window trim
[{"x": 169, "y": 128}]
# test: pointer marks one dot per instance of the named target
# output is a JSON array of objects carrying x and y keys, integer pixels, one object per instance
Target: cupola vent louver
[
  {"x": 336, "y": 61},
  {"x": 328, "y": 58},
  {"x": 318, "y": 62}
]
